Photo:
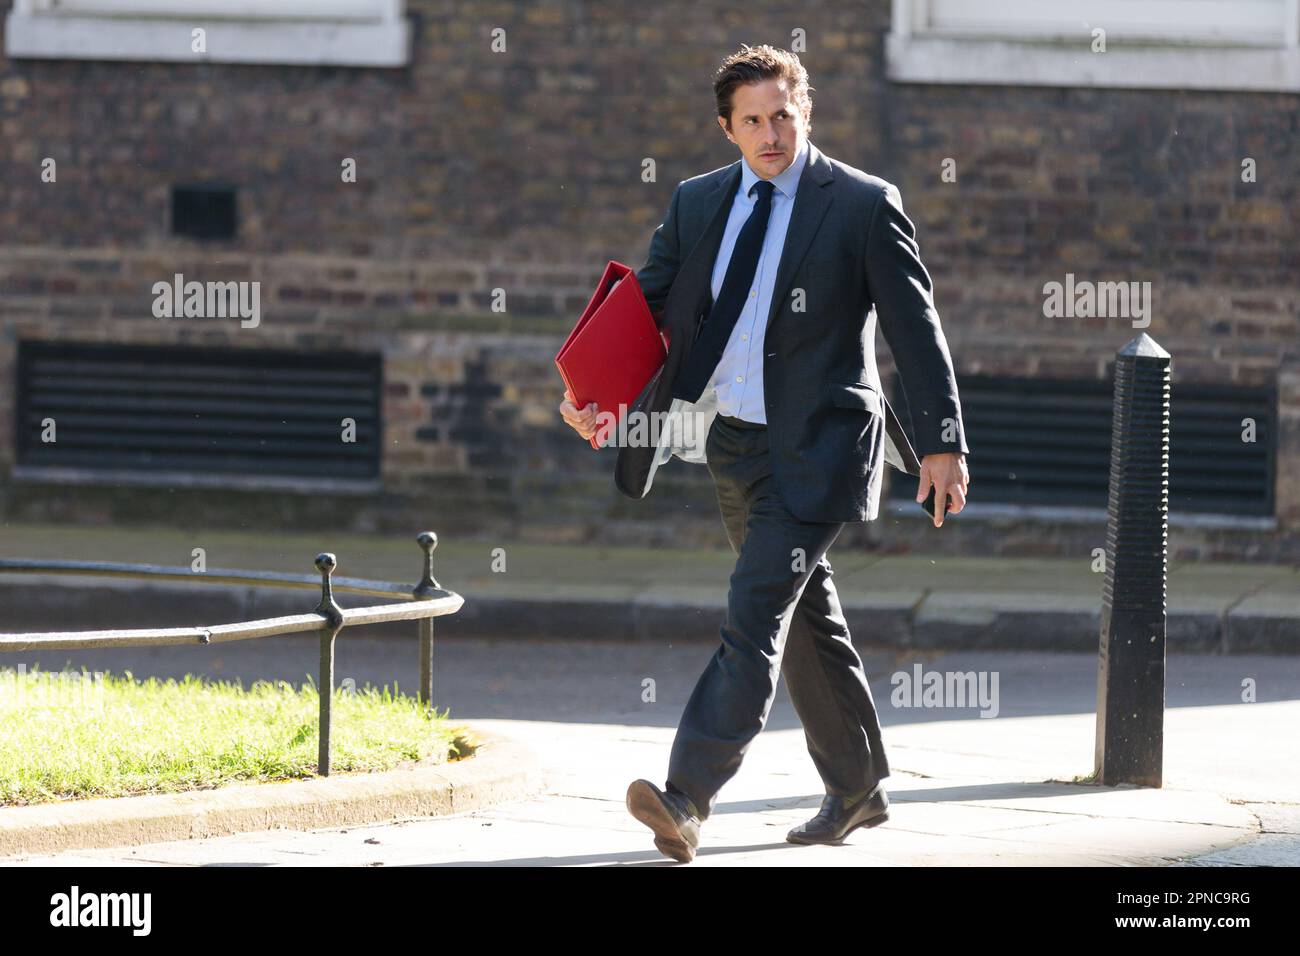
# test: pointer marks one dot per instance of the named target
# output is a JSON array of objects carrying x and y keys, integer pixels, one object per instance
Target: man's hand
[
  {"x": 583, "y": 421},
  {"x": 947, "y": 473}
]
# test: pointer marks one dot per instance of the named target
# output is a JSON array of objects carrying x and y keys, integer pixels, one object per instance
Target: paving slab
[{"x": 953, "y": 810}]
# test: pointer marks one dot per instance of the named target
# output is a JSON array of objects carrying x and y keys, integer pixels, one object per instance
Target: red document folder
[{"x": 614, "y": 349}]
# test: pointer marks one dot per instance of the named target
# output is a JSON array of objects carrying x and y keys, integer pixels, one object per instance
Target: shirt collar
[{"x": 786, "y": 182}]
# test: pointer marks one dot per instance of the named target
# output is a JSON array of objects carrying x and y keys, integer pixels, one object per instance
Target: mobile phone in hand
[{"x": 928, "y": 504}]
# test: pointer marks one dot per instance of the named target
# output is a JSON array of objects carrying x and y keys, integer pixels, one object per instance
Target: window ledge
[
  {"x": 50, "y": 475},
  {"x": 1065, "y": 514},
  {"x": 931, "y": 59},
  {"x": 289, "y": 42}
]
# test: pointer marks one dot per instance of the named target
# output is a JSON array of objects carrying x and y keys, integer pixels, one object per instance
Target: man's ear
[{"x": 722, "y": 122}]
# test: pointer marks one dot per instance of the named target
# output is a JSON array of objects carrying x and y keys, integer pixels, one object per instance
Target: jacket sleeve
[
  {"x": 900, "y": 287},
  {"x": 660, "y": 270}
]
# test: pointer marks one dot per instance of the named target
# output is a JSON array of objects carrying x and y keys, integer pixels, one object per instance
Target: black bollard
[{"x": 1131, "y": 664}]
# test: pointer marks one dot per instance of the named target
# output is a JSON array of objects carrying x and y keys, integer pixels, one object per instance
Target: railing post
[
  {"x": 426, "y": 589},
  {"x": 1131, "y": 657},
  {"x": 325, "y": 563}
]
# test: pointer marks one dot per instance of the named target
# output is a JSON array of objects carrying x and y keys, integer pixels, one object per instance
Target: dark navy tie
[{"x": 708, "y": 348}]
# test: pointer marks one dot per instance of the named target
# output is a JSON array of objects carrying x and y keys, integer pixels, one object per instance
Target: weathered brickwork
[{"x": 485, "y": 177}]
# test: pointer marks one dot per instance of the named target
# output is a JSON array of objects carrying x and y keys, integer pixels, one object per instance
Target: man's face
[{"x": 767, "y": 124}]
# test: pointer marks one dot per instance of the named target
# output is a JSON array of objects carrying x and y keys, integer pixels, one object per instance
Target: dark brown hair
[{"x": 755, "y": 64}]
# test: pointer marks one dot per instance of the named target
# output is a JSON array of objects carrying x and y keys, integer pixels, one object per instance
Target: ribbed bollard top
[{"x": 1138, "y": 501}]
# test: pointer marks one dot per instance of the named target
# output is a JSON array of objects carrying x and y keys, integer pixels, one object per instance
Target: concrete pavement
[
  {"x": 949, "y": 808},
  {"x": 966, "y": 790}
]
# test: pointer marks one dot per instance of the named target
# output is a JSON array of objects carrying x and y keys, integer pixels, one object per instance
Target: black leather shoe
[
  {"x": 675, "y": 824},
  {"x": 838, "y": 818}
]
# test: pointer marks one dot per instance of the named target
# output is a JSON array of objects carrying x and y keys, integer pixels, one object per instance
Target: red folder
[{"x": 614, "y": 349}]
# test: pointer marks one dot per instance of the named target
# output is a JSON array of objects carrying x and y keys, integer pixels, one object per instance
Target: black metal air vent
[
  {"x": 204, "y": 211},
  {"x": 1047, "y": 442},
  {"x": 198, "y": 410}
]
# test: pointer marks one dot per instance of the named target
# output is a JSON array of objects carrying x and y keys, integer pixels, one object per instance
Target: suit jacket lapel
[
  {"x": 697, "y": 268},
  {"x": 811, "y": 200}
]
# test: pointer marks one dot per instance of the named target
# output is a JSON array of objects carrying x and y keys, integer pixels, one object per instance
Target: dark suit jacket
[{"x": 853, "y": 253}]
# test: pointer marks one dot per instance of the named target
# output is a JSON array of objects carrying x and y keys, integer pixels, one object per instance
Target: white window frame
[
  {"x": 367, "y": 33},
  {"x": 1150, "y": 44}
]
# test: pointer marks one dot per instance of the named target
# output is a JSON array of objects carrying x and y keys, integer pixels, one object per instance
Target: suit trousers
[{"x": 783, "y": 617}]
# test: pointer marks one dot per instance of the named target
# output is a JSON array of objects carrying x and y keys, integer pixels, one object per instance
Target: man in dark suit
[{"x": 766, "y": 277}]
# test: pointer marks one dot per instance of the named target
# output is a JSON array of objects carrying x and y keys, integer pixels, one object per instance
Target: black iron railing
[{"x": 427, "y": 600}]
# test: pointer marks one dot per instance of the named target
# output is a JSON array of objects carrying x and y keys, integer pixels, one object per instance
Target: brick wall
[{"x": 521, "y": 171}]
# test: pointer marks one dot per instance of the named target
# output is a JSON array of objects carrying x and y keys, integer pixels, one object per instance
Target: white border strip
[
  {"x": 283, "y": 42},
  {"x": 913, "y": 59}
]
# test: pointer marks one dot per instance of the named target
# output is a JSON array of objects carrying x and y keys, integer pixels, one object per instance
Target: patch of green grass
[{"x": 113, "y": 736}]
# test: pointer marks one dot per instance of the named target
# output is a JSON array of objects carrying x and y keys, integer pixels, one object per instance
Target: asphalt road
[{"x": 603, "y": 681}]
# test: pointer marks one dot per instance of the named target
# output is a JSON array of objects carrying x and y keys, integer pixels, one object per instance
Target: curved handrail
[
  {"x": 217, "y": 575},
  {"x": 424, "y": 601},
  {"x": 223, "y": 633}
]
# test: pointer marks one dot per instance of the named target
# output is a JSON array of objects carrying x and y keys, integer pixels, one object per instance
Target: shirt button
[
  {"x": 740, "y": 378},
  {"x": 752, "y": 294},
  {"x": 744, "y": 337}
]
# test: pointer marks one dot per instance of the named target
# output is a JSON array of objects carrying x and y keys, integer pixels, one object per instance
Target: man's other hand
[
  {"x": 947, "y": 473},
  {"x": 583, "y": 421}
]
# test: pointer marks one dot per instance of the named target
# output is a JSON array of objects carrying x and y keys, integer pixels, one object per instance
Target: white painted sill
[
  {"x": 323, "y": 40},
  {"x": 1006, "y": 62}
]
